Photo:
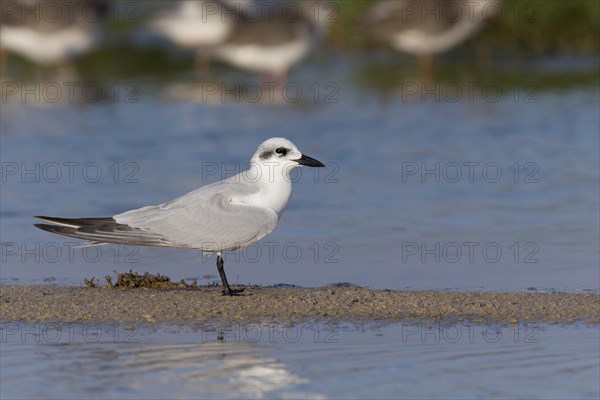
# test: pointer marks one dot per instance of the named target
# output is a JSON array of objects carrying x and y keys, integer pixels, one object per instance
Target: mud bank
[{"x": 202, "y": 304}]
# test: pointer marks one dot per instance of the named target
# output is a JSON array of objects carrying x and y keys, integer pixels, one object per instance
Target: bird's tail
[{"x": 100, "y": 230}]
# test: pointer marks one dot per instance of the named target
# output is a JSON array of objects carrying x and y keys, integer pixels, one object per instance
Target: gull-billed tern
[{"x": 228, "y": 215}]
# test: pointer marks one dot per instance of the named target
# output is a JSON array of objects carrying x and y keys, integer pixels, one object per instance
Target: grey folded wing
[{"x": 212, "y": 218}]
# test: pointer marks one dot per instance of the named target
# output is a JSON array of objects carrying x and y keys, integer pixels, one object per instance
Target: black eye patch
[
  {"x": 265, "y": 155},
  {"x": 280, "y": 151}
]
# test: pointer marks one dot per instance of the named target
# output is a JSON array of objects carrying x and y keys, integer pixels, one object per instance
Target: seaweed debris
[{"x": 133, "y": 280}]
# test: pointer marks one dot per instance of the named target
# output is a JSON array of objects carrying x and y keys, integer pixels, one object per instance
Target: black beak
[{"x": 309, "y": 161}]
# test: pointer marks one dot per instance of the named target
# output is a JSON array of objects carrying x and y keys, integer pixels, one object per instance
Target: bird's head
[{"x": 280, "y": 152}]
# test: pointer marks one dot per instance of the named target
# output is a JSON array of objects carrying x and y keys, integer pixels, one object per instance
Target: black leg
[{"x": 227, "y": 291}]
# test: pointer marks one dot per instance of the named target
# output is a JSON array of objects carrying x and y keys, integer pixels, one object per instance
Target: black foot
[
  {"x": 232, "y": 292},
  {"x": 227, "y": 291}
]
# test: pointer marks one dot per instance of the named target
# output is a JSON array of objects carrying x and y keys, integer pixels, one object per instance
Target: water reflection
[
  {"x": 366, "y": 361},
  {"x": 212, "y": 368},
  {"x": 166, "y": 370}
]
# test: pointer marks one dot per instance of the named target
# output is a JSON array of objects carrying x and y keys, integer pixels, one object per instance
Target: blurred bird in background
[
  {"x": 427, "y": 27},
  {"x": 50, "y": 33},
  {"x": 272, "y": 37},
  {"x": 199, "y": 25}
]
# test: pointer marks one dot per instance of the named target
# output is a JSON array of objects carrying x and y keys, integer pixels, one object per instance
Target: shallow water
[
  {"x": 490, "y": 192},
  {"x": 321, "y": 360}
]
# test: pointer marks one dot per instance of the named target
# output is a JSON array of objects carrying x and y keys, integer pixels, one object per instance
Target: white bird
[
  {"x": 201, "y": 25},
  {"x": 228, "y": 215},
  {"x": 428, "y": 27},
  {"x": 194, "y": 23},
  {"x": 272, "y": 42},
  {"x": 51, "y": 33}
]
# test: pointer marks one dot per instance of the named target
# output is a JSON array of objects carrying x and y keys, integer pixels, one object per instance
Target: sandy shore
[{"x": 203, "y": 304}]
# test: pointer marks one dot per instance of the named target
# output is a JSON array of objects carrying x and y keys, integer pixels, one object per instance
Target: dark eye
[{"x": 281, "y": 150}]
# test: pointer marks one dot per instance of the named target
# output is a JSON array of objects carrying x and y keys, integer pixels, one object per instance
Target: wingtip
[
  {"x": 45, "y": 227},
  {"x": 74, "y": 223},
  {"x": 45, "y": 218}
]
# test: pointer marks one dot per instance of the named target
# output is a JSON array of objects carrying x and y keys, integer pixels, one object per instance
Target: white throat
[{"x": 275, "y": 181}]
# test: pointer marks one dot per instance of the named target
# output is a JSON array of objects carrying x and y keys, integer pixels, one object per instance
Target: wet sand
[{"x": 205, "y": 303}]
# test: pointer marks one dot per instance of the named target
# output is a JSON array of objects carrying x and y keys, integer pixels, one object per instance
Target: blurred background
[
  {"x": 377, "y": 45},
  {"x": 461, "y": 138},
  {"x": 462, "y": 151}
]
